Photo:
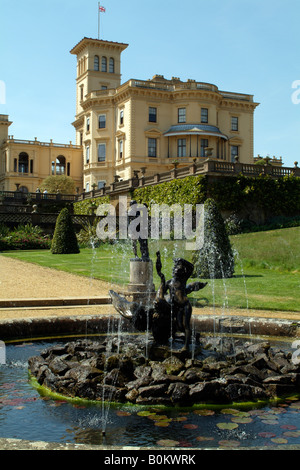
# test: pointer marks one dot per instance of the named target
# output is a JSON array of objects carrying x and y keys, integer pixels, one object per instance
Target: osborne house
[{"x": 142, "y": 126}]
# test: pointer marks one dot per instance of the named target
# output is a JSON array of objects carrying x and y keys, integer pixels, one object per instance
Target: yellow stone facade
[
  {"x": 145, "y": 126},
  {"x": 24, "y": 164},
  {"x": 140, "y": 126}
]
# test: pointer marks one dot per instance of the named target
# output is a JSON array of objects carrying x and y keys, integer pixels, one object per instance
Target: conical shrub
[
  {"x": 64, "y": 239},
  {"x": 215, "y": 260}
]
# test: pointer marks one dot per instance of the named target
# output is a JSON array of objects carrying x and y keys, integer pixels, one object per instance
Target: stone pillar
[{"x": 141, "y": 280}]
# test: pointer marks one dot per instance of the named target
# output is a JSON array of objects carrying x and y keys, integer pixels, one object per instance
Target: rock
[
  {"x": 59, "y": 366},
  {"x": 153, "y": 391},
  {"x": 205, "y": 391},
  {"x": 179, "y": 393},
  {"x": 132, "y": 395},
  {"x": 263, "y": 362},
  {"x": 173, "y": 365},
  {"x": 142, "y": 371},
  {"x": 194, "y": 375},
  {"x": 243, "y": 392}
]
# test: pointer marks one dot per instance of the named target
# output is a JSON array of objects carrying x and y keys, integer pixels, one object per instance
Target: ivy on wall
[
  {"x": 89, "y": 206},
  {"x": 232, "y": 193}
]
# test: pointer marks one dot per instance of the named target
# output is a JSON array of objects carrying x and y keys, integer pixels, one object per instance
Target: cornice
[{"x": 99, "y": 43}]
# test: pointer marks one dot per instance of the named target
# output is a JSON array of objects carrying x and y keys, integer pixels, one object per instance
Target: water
[{"x": 25, "y": 414}]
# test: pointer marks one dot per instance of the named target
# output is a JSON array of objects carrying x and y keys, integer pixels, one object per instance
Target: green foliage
[
  {"x": 64, "y": 238},
  {"x": 58, "y": 183},
  {"x": 215, "y": 259},
  {"x": 87, "y": 237},
  {"x": 89, "y": 206},
  {"x": 190, "y": 190},
  {"x": 25, "y": 237},
  {"x": 231, "y": 193}
]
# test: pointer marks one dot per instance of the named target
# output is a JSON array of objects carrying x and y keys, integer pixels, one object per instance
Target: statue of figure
[
  {"x": 177, "y": 305},
  {"x": 168, "y": 314},
  {"x": 143, "y": 242}
]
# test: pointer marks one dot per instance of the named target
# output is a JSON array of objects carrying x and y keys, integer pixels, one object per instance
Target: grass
[{"x": 267, "y": 274}]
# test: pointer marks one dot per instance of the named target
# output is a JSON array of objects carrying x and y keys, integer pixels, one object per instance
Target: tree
[
  {"x": 60, "y": 183},
  {"x": 215, "y": 260},
  {"x": 64, "y": 239}
]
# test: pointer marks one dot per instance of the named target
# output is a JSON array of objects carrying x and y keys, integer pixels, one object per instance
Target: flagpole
[{"x": 98, "y": 20}]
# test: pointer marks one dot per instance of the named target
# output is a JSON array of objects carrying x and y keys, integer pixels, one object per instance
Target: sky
[{"x": 243, "y": 46}]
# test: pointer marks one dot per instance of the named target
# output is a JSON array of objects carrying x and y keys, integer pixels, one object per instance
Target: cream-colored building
[
  {"x": 24, "y": 164},
  {"x": 149, "y": 124},
  {"x": 140, "y": 125}
]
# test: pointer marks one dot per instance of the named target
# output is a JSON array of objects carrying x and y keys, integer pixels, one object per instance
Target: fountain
[
  {"x": 153, "y": 358},
  {"x": 217, "y": 370}
]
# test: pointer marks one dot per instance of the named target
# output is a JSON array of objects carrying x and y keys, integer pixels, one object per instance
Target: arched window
[
  {"x": 23, "y": 162},
  {"x": 60, "y": 165},
  {"x": 96, "y": 63},
  {"x": 23, "y": 189},
  {"x": 104, "y": 64},
  {"x": 111, "y": 65}
]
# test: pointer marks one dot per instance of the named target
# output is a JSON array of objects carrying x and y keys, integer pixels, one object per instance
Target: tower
[
  {"x": 98, "y": 76},
  {"x": 98, "y": 67}
]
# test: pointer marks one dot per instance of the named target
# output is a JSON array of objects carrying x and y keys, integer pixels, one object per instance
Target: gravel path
[{"x": 21, "y": 280}]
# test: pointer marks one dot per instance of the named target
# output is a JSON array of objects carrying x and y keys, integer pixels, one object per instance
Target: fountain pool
[{"x": 29, "y": 413}]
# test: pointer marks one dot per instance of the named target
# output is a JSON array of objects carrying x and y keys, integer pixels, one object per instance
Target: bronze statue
[
  {"x": 178, "y": 304},
  {"x": 143, "y": 242},
  {"x": 168, "y": 314}
]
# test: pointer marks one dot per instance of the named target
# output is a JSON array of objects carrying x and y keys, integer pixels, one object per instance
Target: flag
[{"x": 102, "y": 9}]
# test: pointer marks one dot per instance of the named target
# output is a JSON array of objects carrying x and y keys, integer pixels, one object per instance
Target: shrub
[
  {"x": 64, "y": 238},
  {"x": 25, "y": 237},
  {"x": 215, "y": 259}
]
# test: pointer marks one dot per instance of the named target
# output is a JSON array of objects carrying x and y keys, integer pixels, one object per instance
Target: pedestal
[{"x": 141, "y": 285}]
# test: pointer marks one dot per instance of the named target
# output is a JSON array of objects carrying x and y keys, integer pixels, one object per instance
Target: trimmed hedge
[
  {"x": 215, "y": 260},
  {"x": 64, "y": 239}
]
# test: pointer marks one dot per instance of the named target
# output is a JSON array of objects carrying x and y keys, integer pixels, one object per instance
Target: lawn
[{"x": 267, "y": 274}]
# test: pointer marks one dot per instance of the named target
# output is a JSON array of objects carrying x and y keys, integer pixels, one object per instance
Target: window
[
  {"x": 121, "y": 117},
  {"x": 101, "y": 152},
  {"x": 81, "y": 93},
  {"x": 152, "y": 147},
  {"x": 102, "y": 121},
  {"x": 204, "y": 144},
  {"x": 23, "y": 162},
  {"x": 31, "y": 166},
  {"x": 87, "y": 188},
  {"x": 87, "y": 154},
  {"x": 103, "y": 87},
  {"x": 68, "y": 169},
  {"x": 104, "y": 64},
  {"x": 81, "y": 138},
  {"x": 234, "y": 123},
  {"x": 60, "y": 165},
  {"x": 181, "y": 148},
  {"x": 181, "y": 115},
  {"x": 234, "y": 152},
  {"x": 121, "y": 149},
  {"x": 204, "y": 115},
  {"x": 101, "y": 184},
  {"x": 152, "y": 114},
  {"x": 88, "y": 124},
  {"x": 111, "y": 65},
  {"x": 96, "y": 63}
]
